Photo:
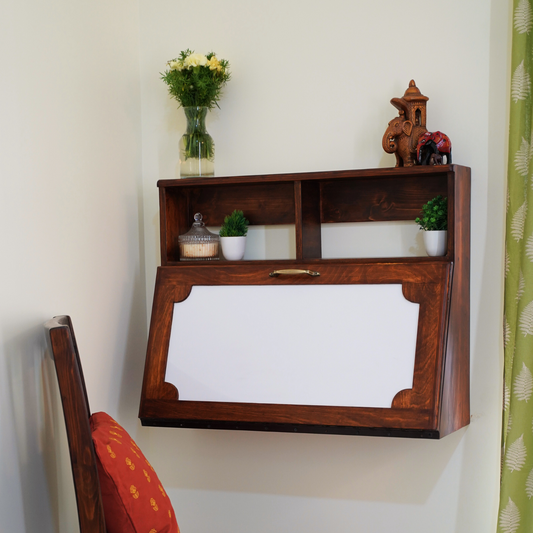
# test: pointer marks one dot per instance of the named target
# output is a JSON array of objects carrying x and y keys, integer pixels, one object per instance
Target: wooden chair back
[{"x": 77, "y": 412}]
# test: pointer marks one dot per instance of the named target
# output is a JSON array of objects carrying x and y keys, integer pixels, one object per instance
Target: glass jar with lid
[{"x": 198, "y": 244}]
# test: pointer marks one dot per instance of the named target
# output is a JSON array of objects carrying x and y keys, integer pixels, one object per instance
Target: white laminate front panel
[{"x": 336, "y": 345}]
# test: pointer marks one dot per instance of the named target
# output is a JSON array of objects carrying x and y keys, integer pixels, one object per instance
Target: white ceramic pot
[
  {"x": 233, "y": 247},
  {"x": 435, "y": 242}
]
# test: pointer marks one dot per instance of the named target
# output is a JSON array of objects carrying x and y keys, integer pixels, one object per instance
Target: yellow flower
[
  {"x": 195, "y": 60},
  {"x": 175, "y": 65},
  {"x": 213, "y": 63}
]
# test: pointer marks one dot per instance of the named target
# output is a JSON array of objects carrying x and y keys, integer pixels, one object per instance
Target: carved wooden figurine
[
  {"x": 401, "y": 137},
  {"x": 432, "y": 146}
]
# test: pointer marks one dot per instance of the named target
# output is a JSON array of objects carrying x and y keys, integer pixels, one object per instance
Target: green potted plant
[
  {"x": 233, "y": 235},
  {"x": 433, "y": 220}
]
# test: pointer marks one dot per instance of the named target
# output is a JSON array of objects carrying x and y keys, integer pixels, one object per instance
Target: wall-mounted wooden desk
[{"x": 435, "y": 405}]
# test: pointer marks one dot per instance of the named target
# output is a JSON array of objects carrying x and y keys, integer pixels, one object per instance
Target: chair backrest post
[{"x": 77, "y": 412}]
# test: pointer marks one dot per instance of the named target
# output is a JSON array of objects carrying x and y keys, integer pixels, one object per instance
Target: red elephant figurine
[{"x": 431, "y": 148}]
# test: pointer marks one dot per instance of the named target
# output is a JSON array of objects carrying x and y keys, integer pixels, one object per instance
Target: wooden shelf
[
  {"x": 306, "y": 200},
  {"x": 438, "y": 403}
]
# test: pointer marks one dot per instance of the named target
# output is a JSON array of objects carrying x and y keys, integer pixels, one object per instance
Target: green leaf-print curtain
[{"x": 516, "y": 496}]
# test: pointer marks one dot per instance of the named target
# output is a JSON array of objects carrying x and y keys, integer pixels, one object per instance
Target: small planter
[
  {"x": 233, "y": 236},
  {"x": 436, "y": 242},
  {"x": 233, "y": 247},
  {"x": 433, "y": 220}
]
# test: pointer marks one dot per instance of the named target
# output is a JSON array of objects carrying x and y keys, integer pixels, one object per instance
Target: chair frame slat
[{"x": 76, "y": 411}]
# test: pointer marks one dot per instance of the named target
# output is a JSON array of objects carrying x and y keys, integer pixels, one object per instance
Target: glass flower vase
[{"x": 197, "y": 149}]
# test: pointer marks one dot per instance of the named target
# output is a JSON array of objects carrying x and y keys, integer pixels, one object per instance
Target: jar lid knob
[{"x": 198, "y": 220}]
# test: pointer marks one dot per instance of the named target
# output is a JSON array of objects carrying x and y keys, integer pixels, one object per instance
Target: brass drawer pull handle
[{"x": 293, "y": 272}]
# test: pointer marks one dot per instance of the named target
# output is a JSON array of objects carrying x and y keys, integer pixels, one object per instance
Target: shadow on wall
[
  {"x": 392, "y": 470},
  {"x": 133, "y": 354},
  {"x": 36, "y": 434}
]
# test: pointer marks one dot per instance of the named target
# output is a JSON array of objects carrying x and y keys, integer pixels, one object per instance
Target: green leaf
[
  {"x": 434, "y": 215},
  {"x": 235, "y": 225}
]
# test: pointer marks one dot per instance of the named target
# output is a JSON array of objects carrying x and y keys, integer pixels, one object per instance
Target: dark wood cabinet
[{"x": 438, "y": 402}]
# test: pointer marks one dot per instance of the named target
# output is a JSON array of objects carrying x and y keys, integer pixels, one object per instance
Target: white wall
[
  {"x": 310, "y": 91},
  {"x": 70, "y": 218}
]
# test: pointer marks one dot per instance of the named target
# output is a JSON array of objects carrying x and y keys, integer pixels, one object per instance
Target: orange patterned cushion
[{"x": 134, "y": 499}]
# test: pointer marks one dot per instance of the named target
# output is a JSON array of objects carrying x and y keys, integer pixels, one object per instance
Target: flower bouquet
[{"x": 196, "y": 82}]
